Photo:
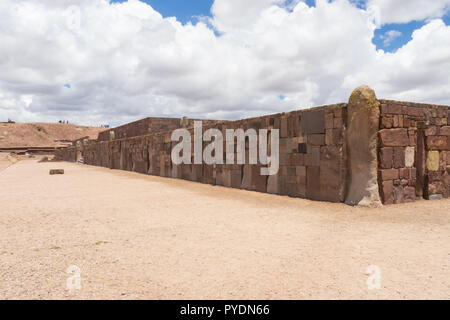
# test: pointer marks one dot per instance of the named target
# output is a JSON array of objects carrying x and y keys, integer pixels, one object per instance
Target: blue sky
[{"x": 187, "y": 11}]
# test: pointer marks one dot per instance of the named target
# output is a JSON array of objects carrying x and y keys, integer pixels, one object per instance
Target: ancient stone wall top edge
[{"x": 412, "y": 104}]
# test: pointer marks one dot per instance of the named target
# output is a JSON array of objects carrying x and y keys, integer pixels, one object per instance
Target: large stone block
[
  {"x": 315, "y": 156},
  {"x": 445, "y": 131},
  {"x": 399, "y": 157},
  {"x": 313, "y": 121},
  {"x": 236, "y": 178},
  {"x": 386, "y": 157},
  {"x": 437, "y": 143},
  {"x": 363, "y": 125},
  {"x": 332, "y": 179},
  {"x": 387, "y": 192},
  {"x": 259, "y": 182},
  {"x": 313, "y": 183},
  {"x": 316, "y": 139},
  {"x": 409, "y": 156},
  {"x": 329, "y": 121},
  {"x": 394, "y": 137},
  {"x": 433, "y": 160},
  {"x": 399, "y": 194},
  {"x": 334, "y": 137},
  {"x": 389, "y": 174},
  {"x": 409, "y": 194}
]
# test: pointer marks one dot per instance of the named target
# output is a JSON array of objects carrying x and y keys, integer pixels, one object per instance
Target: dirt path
[{"x": 135, "y": 236}]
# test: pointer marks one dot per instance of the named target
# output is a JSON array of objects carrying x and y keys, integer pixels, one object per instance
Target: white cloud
[
  {"x": 125, "y": 62},
  {"x": 403, "y": 11},
  {"x": 390, "y": 36}
]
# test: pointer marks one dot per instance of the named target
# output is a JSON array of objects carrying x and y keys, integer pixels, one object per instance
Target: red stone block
[
  {"x": 394, "y": 137},
  {"x": 386, "y": 123},
  {"x": 444, "y": 131},
  {"x": 386, "y": 157},
  {"x": 415, "y": 112},
  {"x": 399, "y": 157},
  {"x": 437, "y": 143},
  {"x": 394, "y": 108},
  {"x": 431, "y": 131}
]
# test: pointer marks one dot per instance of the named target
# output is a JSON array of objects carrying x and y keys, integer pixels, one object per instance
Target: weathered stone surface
[
  {"x": 435, "y": 197},
  {"x": 363, "y": 124},
  {"x": 445, "y": 131},
  {"x": 394, "y": 137},
  {"x": 334, "y": 137},
  {"x": 399, "y": 157},
  {"x": 389, "y": 174},
  {"x": 437, "y": 187},
  {"x": 338, "y": 123},
  {"x": 404, "y": 173},
  {"x": 236, "y": 178},
  {"x": 409, "y": 157},
  {"x": 259, "y": 182},
  {"x": 386, "y": 157},
  {"x": 399, "y": 194},
  {"x": 387, "y": 192},
  {"x": 329, "y": 120},
  {"x": 313, "y": 183},
  {"x": 273, "y": 184},
  {"x": 394, "y": 108},
  {"x": 431, "y": 131},
  {"x": 315, "y": 156},
  {"x": 437, "y": 143},
  {"x": 433, "y": 161},
  {"x": 300, "y": 171},
  {"x": 56, "y": 171},
  {"x": 332, "y": 178},
  {"x": 316, "y": 139},
  {"x": 247, "y": 178},
  {"x": 313, "y": 121},
  {"x": 409, "y": 194},
  {"x": 297, "y": 159},
  {"x": 284, "y": 128}
]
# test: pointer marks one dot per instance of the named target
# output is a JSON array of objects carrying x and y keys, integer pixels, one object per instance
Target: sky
[{"x": 100, "y": 62}]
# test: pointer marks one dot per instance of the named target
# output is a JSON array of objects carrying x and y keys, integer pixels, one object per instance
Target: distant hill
[{"x": 43, "y": 134}]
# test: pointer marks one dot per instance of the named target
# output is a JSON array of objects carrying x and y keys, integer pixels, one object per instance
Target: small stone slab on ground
[
  {"x": 435, "y": 197},
  {"x": 56, "y": 171}
]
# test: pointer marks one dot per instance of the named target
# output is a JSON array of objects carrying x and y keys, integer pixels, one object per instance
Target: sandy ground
[{"x": 142, "y": 237}]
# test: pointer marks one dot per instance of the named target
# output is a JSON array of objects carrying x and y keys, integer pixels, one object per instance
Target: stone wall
[
  {"x": 312, "y": 155},
  {"x": 414, "y": 149},
  {"x": 146, "y": 126}
]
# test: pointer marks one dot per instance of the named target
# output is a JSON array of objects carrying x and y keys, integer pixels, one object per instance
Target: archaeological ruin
[{"x": 364, "y": 152}]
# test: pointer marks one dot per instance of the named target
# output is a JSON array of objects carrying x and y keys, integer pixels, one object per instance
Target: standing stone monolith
[{"x": 362, "y": 140}]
